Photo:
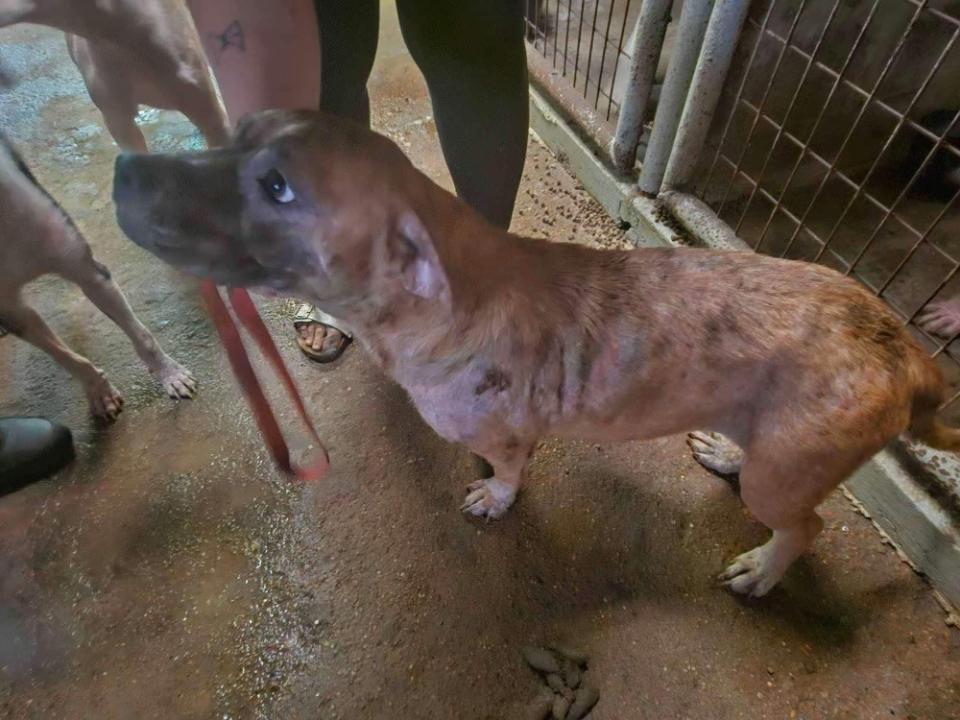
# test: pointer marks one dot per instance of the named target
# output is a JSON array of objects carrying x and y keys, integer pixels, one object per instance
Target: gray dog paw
[
  {"x": 715, "y": 452},
  {"x": 488, "y": 498}
]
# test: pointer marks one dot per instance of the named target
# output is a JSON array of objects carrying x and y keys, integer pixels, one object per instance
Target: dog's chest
[{"x": 462, "y": 405}]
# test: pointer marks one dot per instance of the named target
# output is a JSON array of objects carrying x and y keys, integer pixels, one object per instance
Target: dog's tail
[{"x": 928, "y": 395}]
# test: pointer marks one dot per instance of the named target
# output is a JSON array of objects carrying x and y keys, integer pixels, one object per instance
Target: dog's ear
[{"x": 414, "y": 258}]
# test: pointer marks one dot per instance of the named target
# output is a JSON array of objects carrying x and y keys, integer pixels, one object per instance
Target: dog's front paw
[
  {"x": 752, "y": 574},
  {"x": 176, "y": 380},
  {"x": 489, "y": 498},
  {"x": 105, "y": 402}
]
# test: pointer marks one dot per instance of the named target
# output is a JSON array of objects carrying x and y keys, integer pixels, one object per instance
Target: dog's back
[{"x": 36, "y": 235}]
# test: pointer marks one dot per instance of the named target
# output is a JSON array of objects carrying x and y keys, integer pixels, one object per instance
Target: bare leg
[
  {"x": 492, "y": 497},
  {"x": 21, "y": 319},
  {"x": 264, "y": 55},
  {"x": 95, "y": 281},
  {"x": 941, "y": 318},
  {"x": 267, "y": 55}
]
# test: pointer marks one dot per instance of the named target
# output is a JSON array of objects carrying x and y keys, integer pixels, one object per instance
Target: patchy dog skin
[
  {"x": 36, "y": 238},
  {"x": 501, "y": 340},
  {"x": 132, "y": 53}
]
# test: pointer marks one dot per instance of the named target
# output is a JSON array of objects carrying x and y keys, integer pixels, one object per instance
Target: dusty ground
[{"x": 169, "y": 573}]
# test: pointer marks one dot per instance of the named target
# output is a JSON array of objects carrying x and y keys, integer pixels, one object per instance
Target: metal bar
[
  {"x": 790, "y": 216},
  {"x": 576, "y": 62},
  {"x": 603, "y": 55},
  {"x": 939, "y": 350},
  {"x": 739, "y": 94},
  {"x": 556, "y": 31},
  {"x": 566, "y": 42},
  {"x": 616, "y": 58},
  {"x": 923, "y": 238},
  {"x": 932, "y": 295},
  {"x": 719, "y": 44},
  {"x": 838, "y": 174},
  {"x": 538, "y": 31},
  {"x": 856, "y": 121},
  {"x": 952, "y": 19},
  {"x": 686, "y": 48},
  {"x": 647, "y": 43},
  {"x": 820, "y": 115},
  {"x": 876, "y": 162},
  {"x": 763, "y": 102},
  {"x": 849, "y": 84},
  {"x": 593, "y": 36}
]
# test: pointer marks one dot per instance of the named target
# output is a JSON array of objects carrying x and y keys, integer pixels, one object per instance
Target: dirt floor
[{"x": 170, "y": 573}]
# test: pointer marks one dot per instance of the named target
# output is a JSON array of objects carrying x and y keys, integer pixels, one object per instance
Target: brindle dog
[{"x": 501, "y": 340}]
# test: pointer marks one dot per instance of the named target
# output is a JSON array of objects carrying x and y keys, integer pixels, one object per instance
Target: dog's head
[{"x": 299, "y": 204}]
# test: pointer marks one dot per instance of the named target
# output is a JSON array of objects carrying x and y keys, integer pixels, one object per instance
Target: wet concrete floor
[{"x": 170, "y": 573}]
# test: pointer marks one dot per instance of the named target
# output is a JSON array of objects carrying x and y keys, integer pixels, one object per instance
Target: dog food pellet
[
  {"x": 541, "y": 659},
  {"x": 555, "y": 682},
  {"x": 586, "y": 698},
  {"x": 540, "y": 708},
  {"x": 574, "y": 656},
  {"x": 571, "y": 675},
  {"x": 560, "y": 707}
]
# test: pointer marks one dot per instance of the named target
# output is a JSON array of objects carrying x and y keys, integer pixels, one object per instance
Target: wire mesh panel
[
  {"x": 838, "y": 141},
  {"x": 585, "y": 41}
]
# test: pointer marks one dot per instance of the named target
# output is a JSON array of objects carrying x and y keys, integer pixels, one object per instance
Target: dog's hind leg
[
  {"x": 22, "y": 320},
  {"x": 782, "y": 489},
  {"x": 95, "y": 282}
]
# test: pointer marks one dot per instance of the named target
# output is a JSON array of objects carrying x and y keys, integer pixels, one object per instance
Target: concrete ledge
[{"x": 884, "y": 489}]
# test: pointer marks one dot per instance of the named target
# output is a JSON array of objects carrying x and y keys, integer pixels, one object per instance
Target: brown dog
[{"x": 501, "y": 340}]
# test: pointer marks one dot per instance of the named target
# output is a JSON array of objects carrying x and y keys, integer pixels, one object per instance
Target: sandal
[{"x": 309, "y": 315}]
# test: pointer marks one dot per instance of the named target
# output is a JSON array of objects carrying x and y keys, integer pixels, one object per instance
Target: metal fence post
[
  {"x": 647, "y": 43},
  {"x": 719, "y": 44},
  {"x": 686, "y": 49}
]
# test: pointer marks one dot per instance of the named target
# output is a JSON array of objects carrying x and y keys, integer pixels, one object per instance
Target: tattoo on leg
[{"x": 231, "y": 37}]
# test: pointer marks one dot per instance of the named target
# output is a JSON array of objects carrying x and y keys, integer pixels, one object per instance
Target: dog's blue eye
[{"x": 276, "y": 187}]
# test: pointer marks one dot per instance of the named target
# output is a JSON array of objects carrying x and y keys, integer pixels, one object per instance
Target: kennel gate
[{"x": 815, "y": 128}]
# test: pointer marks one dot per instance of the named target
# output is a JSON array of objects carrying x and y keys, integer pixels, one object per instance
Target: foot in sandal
[{"x": 318, "y": 334}]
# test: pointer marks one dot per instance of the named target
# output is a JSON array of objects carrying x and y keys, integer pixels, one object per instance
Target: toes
[
  {"x": 743, "y": 584},
  {"x": 699, "y": 445},
  {"x": 486, "y": 498},
  {"x": 319, "y": 337},
  {"x": 473, "y": 499},
  {"x": 108, "y": 407},
  {"x": 737, "y": 567},
  {"x": 702, "y": 437},
  {"x": 179, "y": 389}
]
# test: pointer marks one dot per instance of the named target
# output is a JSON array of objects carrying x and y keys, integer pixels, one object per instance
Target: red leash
[{"x": 242, "y": 369}]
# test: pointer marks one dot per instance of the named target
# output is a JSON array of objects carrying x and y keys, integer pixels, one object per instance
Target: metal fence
[
  {"x": 837, "y": 142},
  {"x": 586, "y": 43},
  {"x": 836, "y": 138}
]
